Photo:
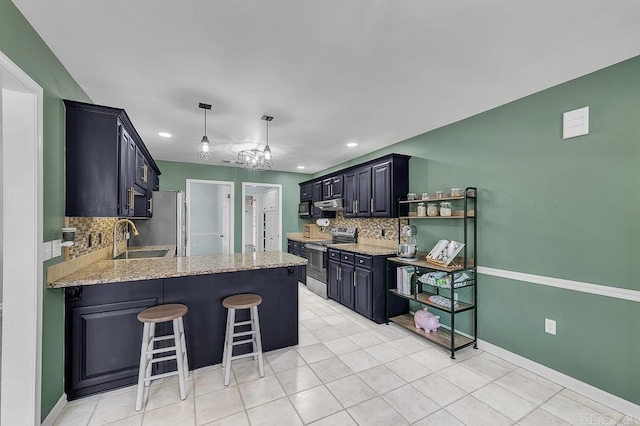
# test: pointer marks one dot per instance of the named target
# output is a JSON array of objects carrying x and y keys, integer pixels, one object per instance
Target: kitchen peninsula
[{"x": 102, "y": 300}]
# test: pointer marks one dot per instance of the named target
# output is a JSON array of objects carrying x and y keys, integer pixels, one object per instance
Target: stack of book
[{"x": 403, "y": 280}]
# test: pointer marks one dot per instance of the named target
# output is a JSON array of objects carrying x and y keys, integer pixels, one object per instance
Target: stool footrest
[
  {"x": 244, "y": 333},
  {"x": 242, "y": 342},
  {"x": 242, "y": 323},
  {"x": 161, "y": 350},
  {"x": 162, "y": 375},
  {"x": 243, "y": 356},
  {"x": 164, "y": 358},
  {"x": 160, "y": 338}
]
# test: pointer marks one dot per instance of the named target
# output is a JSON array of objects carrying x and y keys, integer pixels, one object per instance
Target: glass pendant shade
[
  {"x": 204, "y": 149},
  {"x": 257, "y": 159}
]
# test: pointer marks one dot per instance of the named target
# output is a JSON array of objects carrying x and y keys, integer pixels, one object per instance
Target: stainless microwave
[{"x": 304, "y": 209}]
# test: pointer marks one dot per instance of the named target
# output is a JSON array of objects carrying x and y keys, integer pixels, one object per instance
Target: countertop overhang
[{"x": 113, "y": 271}]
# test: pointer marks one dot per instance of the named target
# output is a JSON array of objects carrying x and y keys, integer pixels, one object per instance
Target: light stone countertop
[
  {"x": 368, "y": 249},
  {"x": 112, "y": 271},
  {"x": 298, "y": 236}
]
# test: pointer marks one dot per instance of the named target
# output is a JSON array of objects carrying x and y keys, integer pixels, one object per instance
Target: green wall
[
  {"x": 21, "y": 43},
  {"x": 174, "y": 176},
  {"x": 552, "y": 207}
]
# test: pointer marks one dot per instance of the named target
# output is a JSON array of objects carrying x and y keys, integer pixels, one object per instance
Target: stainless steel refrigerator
[{"x": 168, "y": 226}]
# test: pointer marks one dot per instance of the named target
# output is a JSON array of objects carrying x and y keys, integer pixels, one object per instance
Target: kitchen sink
[{"x": 141, "y": 254}]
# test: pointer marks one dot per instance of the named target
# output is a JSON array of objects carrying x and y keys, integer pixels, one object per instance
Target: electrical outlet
[
  {"x": 100, "y": 238},
  {"x": 56, "y": 248},
  {"x": 382, "y": 232},
  {"x": 549, "y": 326},
  {"x": 455, "y": 296},
  {"x": 90, "y": 242},
  {"x": 127, "y": 235}
]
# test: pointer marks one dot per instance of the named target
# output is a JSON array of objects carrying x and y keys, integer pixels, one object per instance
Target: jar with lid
[
  {"x": 432, "y": 209},
  {"x": 422, "y": 210},
  {"x": 445, "y": 208},
  {"x": 457, "y": 192},
  {"x": 411, "y": 196}
]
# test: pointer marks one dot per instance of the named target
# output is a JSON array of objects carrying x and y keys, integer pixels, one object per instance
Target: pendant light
[
  {"x": 204, "y": 151},
  {"x": 257, "y": 159}
]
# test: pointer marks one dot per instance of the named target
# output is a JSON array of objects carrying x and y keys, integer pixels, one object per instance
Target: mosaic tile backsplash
[
  {"x": 370, "y": 227},
  {"x": 97, "y": 229}
]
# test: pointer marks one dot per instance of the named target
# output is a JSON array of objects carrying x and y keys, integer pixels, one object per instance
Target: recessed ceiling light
[
  {"x": 301, "y": 167},
  {"x": 352, "y": 144},
  {"x": 164, "y": 134}
]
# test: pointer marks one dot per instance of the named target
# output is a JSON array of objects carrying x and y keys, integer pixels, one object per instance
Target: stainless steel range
[{"x": 317, "y": 256}]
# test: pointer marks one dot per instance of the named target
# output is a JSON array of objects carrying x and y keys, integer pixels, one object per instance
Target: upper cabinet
[
  {"x": 305, "y": 192},
  {"x": 370, "y": 189},
  {"x": 332, "y": 187},
  {"x": 109, "y": 171}
]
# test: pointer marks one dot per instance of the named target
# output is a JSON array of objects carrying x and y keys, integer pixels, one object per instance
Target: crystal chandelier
[
  {"x": 204, "y": 151},
  {"x": 257, "y": 159}
]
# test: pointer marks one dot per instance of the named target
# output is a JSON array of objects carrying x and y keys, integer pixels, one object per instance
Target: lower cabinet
[
  {"x": 104, "y": 334},
  {"x": 299, "y": 249},
  {"x": 358, "y": 282}
]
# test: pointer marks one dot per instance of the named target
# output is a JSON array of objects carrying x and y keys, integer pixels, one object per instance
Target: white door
[
  {"x": 272, "y": 231},
  {"x": 268, "y": 217},
  {"x": 210, "y": 217}
]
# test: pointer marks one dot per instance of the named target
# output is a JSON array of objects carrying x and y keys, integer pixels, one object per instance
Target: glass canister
[
  {"x": 422, "y": 210},
  {"x": 445, "y": 208},
  {"x": 432, "y": 209},
  {"x": 411, "y": 196},
  {"x": 457, "y": 192}
]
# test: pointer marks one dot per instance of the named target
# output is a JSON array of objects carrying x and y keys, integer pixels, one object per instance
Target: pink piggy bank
[{"x": 426, "y": 320}]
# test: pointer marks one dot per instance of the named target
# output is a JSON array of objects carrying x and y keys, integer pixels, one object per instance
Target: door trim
[
  {"x": 22, "y": 257},
  {"x": 230, "y": 231},
  {"x": 266, "y": 185}
]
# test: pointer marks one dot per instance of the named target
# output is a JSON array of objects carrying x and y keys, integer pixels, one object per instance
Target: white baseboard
[
  {"x": 55, "y": 411},
  {"x": 598, "y": 395}
]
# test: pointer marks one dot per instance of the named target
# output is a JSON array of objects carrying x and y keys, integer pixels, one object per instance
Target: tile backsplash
[
  {"x": 98, "y": 229},
  {"x": 369, "y": 227}
]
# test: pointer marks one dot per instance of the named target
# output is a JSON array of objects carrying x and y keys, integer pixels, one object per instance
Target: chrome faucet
[{"x": 115, "y": 233}]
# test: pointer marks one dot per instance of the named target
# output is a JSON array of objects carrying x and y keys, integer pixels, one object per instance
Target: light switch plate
[
  {"x": 575, "y": 123},
  {"x": 46, "y": 250}
]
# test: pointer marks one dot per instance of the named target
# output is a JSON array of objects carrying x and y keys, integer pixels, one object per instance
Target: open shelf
[
  {"x": 423, "y": 298},
  {"x": 457, "y": 214},
  {"x": 431, "y": 199},
  {"x": 441, "y": 336},
  {"x": 456, "y": 265}
]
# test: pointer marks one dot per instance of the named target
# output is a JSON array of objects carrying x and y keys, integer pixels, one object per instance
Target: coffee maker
[{"x": 409, "y": 249}]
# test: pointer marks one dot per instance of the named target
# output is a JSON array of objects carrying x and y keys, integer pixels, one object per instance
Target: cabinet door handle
[
  {"x": 371, "y": 206},
  {"x": 353, "y": 206},
  {"x": 150, "y": 205},
  {"x": 133, "y": 199},
  {"x": 354, "y": 278},
  {"x": 356, "y": 210},
  {"x": 339, "y": 273},
  {"x": 144, "y": 173}
]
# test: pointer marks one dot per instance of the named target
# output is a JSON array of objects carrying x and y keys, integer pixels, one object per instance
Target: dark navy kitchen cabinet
[
  {"x": 107, "y": 164},
  {"x": 305, "y": 192},
  {"x": 370, "y": 189},
  {"x": 103, "y": 334}
]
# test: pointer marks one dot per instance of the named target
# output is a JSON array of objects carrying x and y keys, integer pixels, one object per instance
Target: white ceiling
[{"x": 370, "y": 71}]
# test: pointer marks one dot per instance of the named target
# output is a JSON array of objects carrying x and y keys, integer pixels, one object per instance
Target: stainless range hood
[{"x": 330, "y": 205}]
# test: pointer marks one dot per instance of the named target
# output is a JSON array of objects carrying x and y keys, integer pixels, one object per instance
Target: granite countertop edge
[
  {"x": 368, "y": 249},
  {"x": 107, "y": 271}
]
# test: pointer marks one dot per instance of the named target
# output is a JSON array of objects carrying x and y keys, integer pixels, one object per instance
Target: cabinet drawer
[
  {"x": 296, "y": 245},
  {"x": 346, "y": 257},
  {"x": 334, "y": 254},
  {"x": 364, "y": 261}
]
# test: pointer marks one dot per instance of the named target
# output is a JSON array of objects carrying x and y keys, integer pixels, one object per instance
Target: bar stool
[
  {"x": 232, "y": 303},
  {"x": 150, "y": 317}
]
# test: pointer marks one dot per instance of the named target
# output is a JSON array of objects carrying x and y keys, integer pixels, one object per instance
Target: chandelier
[
  {"x": 204, "y": 151},
  {"x": 257, "y": 159}
]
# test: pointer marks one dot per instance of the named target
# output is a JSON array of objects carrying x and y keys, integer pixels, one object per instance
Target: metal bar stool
[
  {"x": 150, "y": 317},
  {"x": 232, "y": 303}
]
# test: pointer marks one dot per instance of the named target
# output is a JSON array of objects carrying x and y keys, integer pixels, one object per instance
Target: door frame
[
  {"x": 22, "y": 256},
  {"x": 266, "y": 185},
  {"x": 230, "y": 232}
]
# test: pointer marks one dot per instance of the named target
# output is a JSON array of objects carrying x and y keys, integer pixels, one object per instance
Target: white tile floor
[{"x": 350, "y": 371}]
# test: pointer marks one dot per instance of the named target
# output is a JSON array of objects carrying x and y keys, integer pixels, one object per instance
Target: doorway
[
  {"x": 21, "y": 354},
  {"x": 262, "y": 217},
  {"x": 209, "y": 217}
]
